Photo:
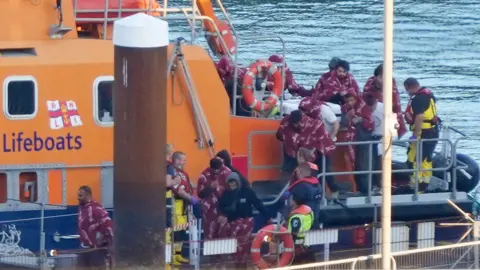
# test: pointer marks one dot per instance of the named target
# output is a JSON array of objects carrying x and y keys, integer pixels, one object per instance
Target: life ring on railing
[
  {"x": 249, "y": 82},
  {"x": 215, "y": 42},
  {"x": 264, "y": 235}
]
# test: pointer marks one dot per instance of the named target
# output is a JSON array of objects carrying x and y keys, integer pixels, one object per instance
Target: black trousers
[{"x": 93, "y": 259}]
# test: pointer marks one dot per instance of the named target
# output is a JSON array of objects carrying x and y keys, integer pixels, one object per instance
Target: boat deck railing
[
  {"x": 449, "y": 169},
  {"x": 192, "y": 15}
]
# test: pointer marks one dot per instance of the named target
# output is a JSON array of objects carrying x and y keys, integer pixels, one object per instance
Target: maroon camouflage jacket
[
  {"x": 312, "y": 136},
  {"x": 360, "y": 109},
  {"x": 209, "y": 201},
  {"x": 334, "y": 85},
  {"x": 373, "y": 87},
  {"x": 226, "y": 70},
  {"x": 94, "y": 220}
]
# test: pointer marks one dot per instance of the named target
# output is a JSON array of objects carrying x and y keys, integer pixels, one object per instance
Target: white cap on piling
[{"x": 140, "y": 31}]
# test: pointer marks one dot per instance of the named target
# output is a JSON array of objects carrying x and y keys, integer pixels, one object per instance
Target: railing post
[
  {"x": 324, "y": 179},
  {"x": 105, "y": 19},
  {"x": 475, "y": 248},
  {"x": 370, "y": 161},
  {"x": 417, "y": 167},
  {"x": 42, "y": 257}
]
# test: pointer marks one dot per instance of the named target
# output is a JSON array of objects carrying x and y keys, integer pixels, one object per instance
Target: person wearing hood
[
  {"x": 227, "y": 160},
  {"x": 236, "y": 216},
  {"x": 340, "y": 82}
]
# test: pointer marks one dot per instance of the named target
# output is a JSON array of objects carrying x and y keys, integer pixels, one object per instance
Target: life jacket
[
  {"x": 305, "y": 214},
  {"x": 169, "y": 190},
  {"x": 431, "y": 119},
  {"x": 180, "y": 204},
  {"x": 309, "y": 180}
]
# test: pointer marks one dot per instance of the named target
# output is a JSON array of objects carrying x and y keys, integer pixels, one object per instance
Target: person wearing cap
[
  {"x": 374, "y": 86},
  {"x": 236, "y": 215},
  {"x": 357, "y": 117},
  {"x": 300, "y": 221},
  {"x": 340, "y": 82}
]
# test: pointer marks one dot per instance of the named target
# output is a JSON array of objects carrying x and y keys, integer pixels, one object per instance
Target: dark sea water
[{"x": 437, "y": 42}]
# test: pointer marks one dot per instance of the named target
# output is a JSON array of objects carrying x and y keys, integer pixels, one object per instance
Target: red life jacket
[
  {"x": 309, "y": 180},
  {"x": 409, "y": 118},
  {"x": 302, "y": 210}
]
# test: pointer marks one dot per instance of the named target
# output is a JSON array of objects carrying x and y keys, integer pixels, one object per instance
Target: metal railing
[
  {"x": 455, "y": 256},
  {"x": 192, "y": 15},
  {"x": 452, "y": 162}
]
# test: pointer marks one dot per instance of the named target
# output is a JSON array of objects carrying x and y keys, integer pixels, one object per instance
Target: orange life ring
[
  {"x": 267, "y": 232},
  {"x": 249, "y": 83},
  {"x": 216, "y": 44}
]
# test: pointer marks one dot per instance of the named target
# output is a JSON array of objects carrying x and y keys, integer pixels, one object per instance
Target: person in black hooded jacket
[
  {"x": 235, "y": 207},
  {"x": 227, "y": 160}
]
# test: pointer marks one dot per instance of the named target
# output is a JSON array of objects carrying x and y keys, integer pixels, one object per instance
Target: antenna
[{"x": 58, "y": 31}]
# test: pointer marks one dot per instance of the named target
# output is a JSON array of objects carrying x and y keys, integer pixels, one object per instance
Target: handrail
[
  {"x": 375, "y": 256},
  {"x": 448, "y": 166}
]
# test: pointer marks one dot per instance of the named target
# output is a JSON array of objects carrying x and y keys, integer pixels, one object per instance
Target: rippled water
[{"x": 437, "y": 42}]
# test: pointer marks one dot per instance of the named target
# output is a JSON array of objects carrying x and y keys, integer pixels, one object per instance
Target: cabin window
[
  {"x": 20, "y": 97},
  {"x": 3, "y": 188},
  {"x": 103, "y": 96},
  {"x": 28, "y": 187}
]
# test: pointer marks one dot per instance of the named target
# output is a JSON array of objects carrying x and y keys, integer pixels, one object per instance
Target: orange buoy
[
  {"x": 359, "y": 236},
  {"x": 215, "y": 42},
  {"x": 249, "y": 83},
  {"x": 264, "y": 235}
]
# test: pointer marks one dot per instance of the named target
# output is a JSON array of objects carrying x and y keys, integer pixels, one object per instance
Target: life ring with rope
[
  {"x": 249, "y": 80},
  {"x": 265, "y": 235}
]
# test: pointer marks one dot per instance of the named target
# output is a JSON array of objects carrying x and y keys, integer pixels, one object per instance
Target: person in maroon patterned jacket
[
  {"x": 360, "y": 123},
  {"x": 293, "y": 87},
  {"x": 340, "y": 82},
  {"x": 225, "y": 69},
  {"x": 96, "y": 232},
  {"x": 211, "y": 185},
  {"x": 320, "y": 85},
  {"x": 374, "y": 86},
  {"x": 298, "y": 130}
]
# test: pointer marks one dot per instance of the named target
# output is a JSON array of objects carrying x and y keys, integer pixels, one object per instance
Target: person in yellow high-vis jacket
[
  {"x": 300, "y": 221},
  {"x": 423, "y": 122}
]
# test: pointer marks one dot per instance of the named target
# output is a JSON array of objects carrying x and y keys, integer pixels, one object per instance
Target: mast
[{"x": 387, "y": 134}]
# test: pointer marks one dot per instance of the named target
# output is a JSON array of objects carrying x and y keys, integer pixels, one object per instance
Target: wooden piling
[{"x": 139, "y": 94}]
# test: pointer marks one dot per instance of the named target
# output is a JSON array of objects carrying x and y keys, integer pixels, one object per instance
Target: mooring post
[{"x": 139, "y": 94}]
